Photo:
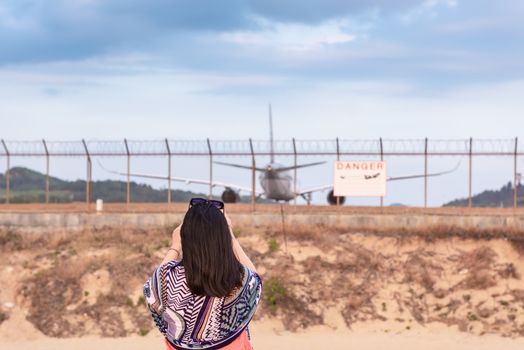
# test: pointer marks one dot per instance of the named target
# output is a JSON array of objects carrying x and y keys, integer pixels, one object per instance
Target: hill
[
  {"x": 28, "y": 186},
  {"x": 492, "y": 198}
]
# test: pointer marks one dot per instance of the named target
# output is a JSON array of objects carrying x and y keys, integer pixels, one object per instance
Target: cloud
[
  {"x": 34, "y": 31},
  {"x": 442, "y": 42},
  {"x": 317, "y": 11},
  {"x": 292, "y": 37}
]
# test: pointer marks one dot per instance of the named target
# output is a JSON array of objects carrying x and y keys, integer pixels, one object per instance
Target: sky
[{"x": 363, "y": 69}]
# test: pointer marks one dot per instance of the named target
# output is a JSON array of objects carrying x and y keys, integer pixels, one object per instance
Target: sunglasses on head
[{"x": 215, "y": 203}]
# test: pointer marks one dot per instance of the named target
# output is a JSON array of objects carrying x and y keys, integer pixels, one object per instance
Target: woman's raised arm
[
  {"x": 175, "y": 251},
  {"x": 237, "y": 248}
]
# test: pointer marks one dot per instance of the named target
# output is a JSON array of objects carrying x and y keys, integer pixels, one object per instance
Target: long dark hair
[{"x": 211, "y": 266}]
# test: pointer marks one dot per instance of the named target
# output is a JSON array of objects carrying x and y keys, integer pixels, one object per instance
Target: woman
[{"x": 206, "y": 290}]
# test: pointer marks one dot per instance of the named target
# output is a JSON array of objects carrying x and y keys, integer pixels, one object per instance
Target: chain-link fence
[{"x": 254, "y": 149}]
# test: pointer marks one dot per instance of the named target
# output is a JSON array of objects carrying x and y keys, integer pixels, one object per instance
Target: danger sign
[{"x": 359, "y": 178}]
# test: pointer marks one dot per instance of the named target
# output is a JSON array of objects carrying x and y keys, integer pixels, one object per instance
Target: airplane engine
[
  {"x": 332, "y": 199},
  {"x": 229, "y": 196}
]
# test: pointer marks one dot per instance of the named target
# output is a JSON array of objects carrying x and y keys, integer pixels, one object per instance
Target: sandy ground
[{"x": 264, "y": 337}]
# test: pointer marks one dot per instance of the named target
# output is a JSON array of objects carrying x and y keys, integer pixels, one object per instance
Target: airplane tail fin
[{"x": 271, "y": 141}]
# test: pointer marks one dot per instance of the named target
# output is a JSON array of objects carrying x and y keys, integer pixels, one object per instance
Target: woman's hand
[{"x": 176, "y": 241}]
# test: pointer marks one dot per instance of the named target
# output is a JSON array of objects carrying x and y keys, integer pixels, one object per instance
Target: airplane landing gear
[
  {"x": 307, "y": 197},
  {"x": 332, "y": 199}
]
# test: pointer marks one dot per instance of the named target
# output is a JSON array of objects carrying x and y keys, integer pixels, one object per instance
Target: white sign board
[{"x": 359, "y": 178}]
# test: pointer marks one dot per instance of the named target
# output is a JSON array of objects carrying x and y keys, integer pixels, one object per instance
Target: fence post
[
  {"x": 253, "y": 176},
  {"x": 338, "y": 158},
  {"x": 295, "y": 169},
  {"x": 381, "y": 159},
  {"x": 89, "y": 167},
  {"x": 426, "y": 173},
  {"x": 128, "y": 192},
  {"x": 470, "y": 199},
  {"x": 210, "y": 169},
  {"x": 515, "y": 173},
  {"x": 46, "y": 172},
  {"x": 168, "y": 172},
  {"x": 7, "y": 174}
]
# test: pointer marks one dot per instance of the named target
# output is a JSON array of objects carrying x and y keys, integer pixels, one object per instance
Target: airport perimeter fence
[{"x": 379, "y": 148}]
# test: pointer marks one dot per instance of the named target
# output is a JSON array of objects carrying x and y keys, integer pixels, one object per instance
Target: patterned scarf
[{"x": 191, "y": 321}]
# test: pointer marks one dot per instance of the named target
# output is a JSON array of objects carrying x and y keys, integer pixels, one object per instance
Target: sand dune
[{"x": 329, "y": 289}]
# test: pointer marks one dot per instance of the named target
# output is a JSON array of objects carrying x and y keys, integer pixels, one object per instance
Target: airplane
[
  {"x": 275, "y": 179},
  {"x": 369, "y": 177}
]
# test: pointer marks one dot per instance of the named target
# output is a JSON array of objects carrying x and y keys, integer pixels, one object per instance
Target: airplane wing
[
  {"x": 314, "y": 189},
  {"x": 299, "y": 166},
  {"x": 187, "y": 181},
  {"x": 409, "y": 177},
  {"x": 264, "y": 169},
  {"x": 238, "y": 166},
  {"x": 238, "y": 188},
  {"x": 393, "y": 178}
]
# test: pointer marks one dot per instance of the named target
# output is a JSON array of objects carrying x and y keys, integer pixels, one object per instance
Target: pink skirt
[{"x": 240, "y": 343}]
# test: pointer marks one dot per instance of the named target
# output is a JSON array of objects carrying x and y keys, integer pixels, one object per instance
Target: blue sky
[{"x": 193, "y": 69}]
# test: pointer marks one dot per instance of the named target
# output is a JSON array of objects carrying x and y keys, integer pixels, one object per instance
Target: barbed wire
[{"x": 166, "y": 147}]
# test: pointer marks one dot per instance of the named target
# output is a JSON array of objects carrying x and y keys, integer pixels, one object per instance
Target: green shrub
[
  {"x": 141, "y": 301},
  {"x": 275, "y": 292},
  {"x": 129, "y": 302},
  {"x": 472, "y": 317},
  {"x": 237, "y": 232},
  {"x": 273, "y": 245}
]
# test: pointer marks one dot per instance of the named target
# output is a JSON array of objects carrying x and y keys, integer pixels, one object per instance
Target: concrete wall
[{"x": 80, "y": 221}]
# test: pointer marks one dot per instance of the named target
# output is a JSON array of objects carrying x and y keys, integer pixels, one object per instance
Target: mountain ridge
[{"x": 28, "y": 186}]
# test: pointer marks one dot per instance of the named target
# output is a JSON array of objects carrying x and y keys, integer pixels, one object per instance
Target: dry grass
[
  {"x": 478, "y": 259},
  {"x": 59, "y": 306},
  {"x": 3, "y": 316},
  {"x": 325, "y": 235},
  {"x": 420, "y": 269},
  {"x": 10, "y": 240},
  {"x": 518, "y": 244},
  {"x": 436, "y": 232},
  {"x": 478, "y": 280},
  {"x": 478, "y": 266}
]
